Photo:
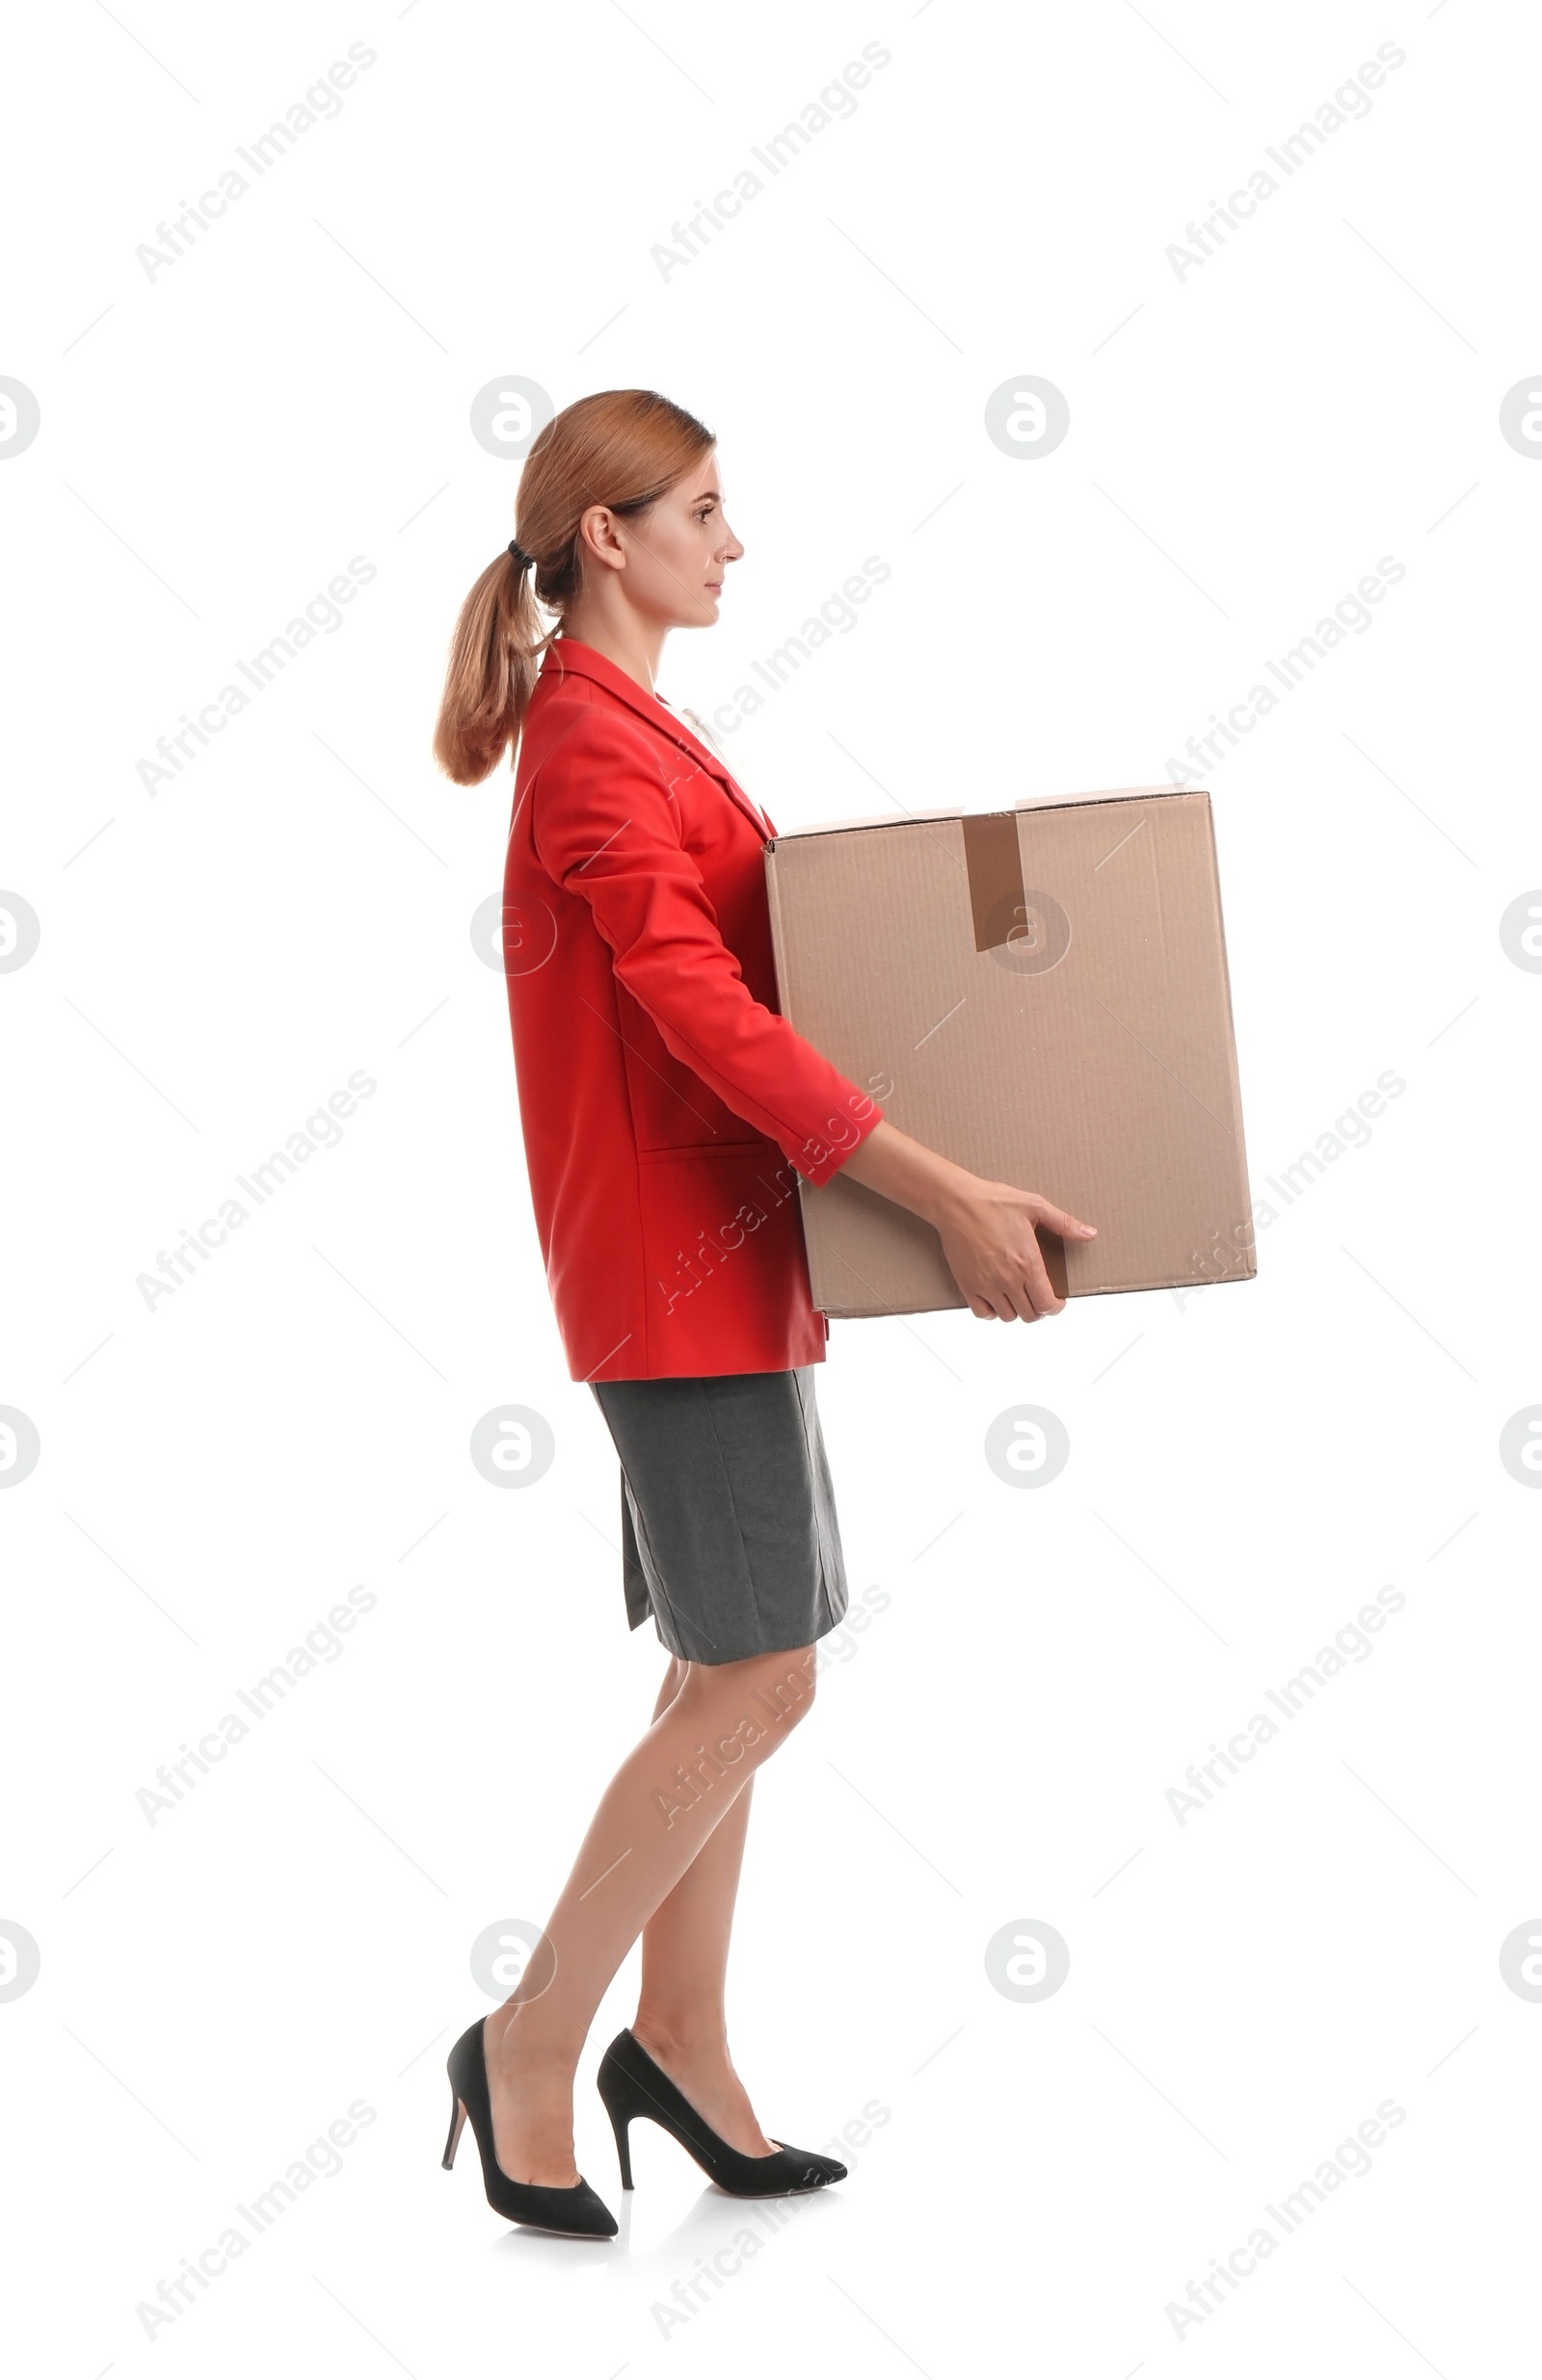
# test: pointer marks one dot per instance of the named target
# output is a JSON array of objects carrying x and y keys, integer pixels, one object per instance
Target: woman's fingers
[
  {"x": 1020, "y": 1296},
  {"x": 997, "y": 1261},
  {"x": 1036, "y": 1294},
  {"x": 1024, "y": 1300},
  {"x": 1060, "y": 1219},
  {"x": 1042, "y": 1298}
]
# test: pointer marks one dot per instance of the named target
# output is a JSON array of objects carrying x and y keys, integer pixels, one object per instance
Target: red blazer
[{"x": 665, "y": 1102}]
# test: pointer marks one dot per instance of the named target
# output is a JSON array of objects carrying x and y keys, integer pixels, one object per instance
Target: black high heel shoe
[
  {"x": 576, "y": 2210},
  {"x": 632, "y": 2084}
]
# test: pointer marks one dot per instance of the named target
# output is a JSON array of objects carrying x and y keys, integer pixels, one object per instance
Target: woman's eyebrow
[{"x": 709, "y": 496}]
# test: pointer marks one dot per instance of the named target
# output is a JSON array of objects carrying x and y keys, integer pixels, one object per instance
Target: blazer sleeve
[{"x": 605, "y": 826}]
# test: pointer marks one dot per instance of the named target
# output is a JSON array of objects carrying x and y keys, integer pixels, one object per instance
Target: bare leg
[
  {"x": 655, "y": 1817},
  {"x": 681, "y": 2019}
]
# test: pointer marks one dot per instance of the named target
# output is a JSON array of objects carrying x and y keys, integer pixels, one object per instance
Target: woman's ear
[{"x": 597, "y": 534}]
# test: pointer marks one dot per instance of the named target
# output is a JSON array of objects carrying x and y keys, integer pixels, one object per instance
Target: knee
[
  {"x": 782, "y": 1689},
  {"x": 752, "y": 1705}
]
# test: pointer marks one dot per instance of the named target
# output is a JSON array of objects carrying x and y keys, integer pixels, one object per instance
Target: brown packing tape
[{"x": 995, "y": 864}]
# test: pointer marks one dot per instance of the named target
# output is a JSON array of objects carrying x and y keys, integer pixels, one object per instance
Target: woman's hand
[
  {"x": 993, "y": 1251},
  {"x": 986, "y": 1228}
]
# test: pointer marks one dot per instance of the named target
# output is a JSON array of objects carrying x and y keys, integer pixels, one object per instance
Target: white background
[{"x": 1248, "y": 1466}]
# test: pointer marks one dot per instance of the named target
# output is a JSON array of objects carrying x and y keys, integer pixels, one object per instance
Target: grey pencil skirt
[{"x": 729, "y": 1529}]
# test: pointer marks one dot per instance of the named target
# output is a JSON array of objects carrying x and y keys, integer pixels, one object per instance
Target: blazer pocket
[{"x": 691, "y": 1151}]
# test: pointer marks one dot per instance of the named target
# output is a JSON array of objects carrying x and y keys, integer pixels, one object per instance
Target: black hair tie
[{"x": 520, "y": 559}]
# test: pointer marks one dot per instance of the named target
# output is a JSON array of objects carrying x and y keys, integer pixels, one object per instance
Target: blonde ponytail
[{"x": 494, "y": 660}]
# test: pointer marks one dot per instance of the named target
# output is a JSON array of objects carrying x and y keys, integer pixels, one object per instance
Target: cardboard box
[{"x": 1042, "y": 994}]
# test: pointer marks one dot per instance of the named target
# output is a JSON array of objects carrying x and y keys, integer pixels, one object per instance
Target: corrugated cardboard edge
[
  {"x": 779, "y": 953},
  {"x": 1025, "y": 801},
  {"x": 1120, "y": 793},
  {"x": 873, "y": 818},
  {"x": 1248, "y": 1258},
  {"x": 778, "y": 939},
  {"x": 1117, "y": 1289}
]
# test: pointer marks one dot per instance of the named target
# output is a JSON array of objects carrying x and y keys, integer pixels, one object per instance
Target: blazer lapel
[
  {"x": 567, "y": 653},
  {"x": 714, "y": 765}
]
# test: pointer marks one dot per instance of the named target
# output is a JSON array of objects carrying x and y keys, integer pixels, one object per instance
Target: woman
[{"x": 665, "y": 1103}]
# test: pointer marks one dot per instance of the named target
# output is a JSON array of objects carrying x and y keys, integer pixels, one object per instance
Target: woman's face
[{"x": 671, "y": 559}]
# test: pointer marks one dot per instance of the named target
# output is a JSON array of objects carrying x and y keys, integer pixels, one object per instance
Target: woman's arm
[
  {"x": 986, "y": 1226},
  {"x": 605, "y": 826}
]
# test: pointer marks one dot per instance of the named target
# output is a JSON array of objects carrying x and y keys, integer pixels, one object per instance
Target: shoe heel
[
  {"x": 620, "y": 2126},
  {"x": 456, "y": 2126}
]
